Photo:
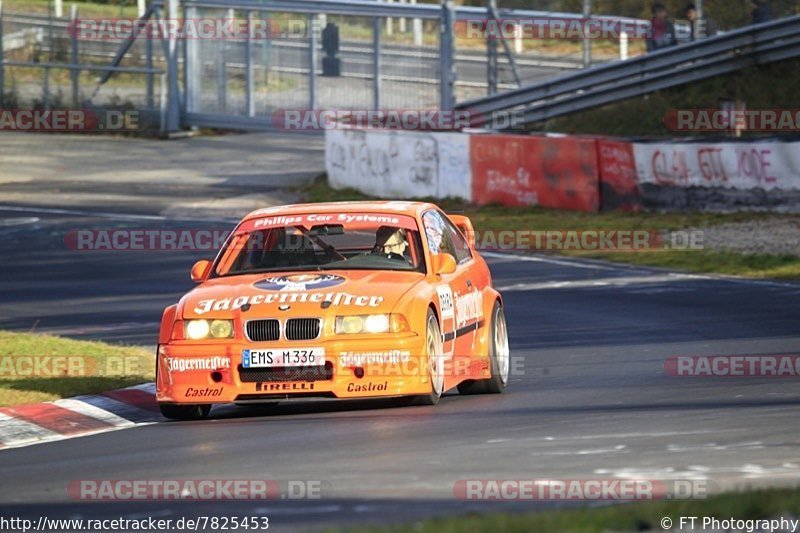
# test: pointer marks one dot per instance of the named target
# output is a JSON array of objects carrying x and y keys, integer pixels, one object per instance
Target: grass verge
[
  {"x": 37, "y": 368},
  {"x": 499, "y": 218},
  {"x": 85, "y": 9},
  {"x": 644, "y": 516}
]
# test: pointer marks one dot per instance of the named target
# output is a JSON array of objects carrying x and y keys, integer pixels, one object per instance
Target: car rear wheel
[
  {"x": 435, "y": 362},
  {"x": 498, "y": 356},
  {"x": 184, "y": 412}
]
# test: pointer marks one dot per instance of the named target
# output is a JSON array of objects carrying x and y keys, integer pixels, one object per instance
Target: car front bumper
[{"x": 211, "y": 372}]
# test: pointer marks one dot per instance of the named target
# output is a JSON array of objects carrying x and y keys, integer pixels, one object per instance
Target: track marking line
[
  {"x": 539, "y": 259},
  {"x": 578, "y": 263},
  {"x": 598, "y": 282}
]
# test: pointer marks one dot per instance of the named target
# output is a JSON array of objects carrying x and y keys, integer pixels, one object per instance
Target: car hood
[{"x": 299, "y": 294}]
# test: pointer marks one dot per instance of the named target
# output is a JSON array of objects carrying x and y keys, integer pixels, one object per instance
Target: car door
[{"x": 454, "y": 290}]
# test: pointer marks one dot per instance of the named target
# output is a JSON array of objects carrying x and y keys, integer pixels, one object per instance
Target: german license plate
[{"x": 281, "y": 357}]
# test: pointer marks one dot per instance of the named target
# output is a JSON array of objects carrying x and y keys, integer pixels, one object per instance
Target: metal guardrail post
[
  {"x": 587, "y": 42},
  {"x": 491, "y": 55},
  {"x": 46, "y": 88},
  {"x": 416, "y": 28},
  {"x": 173, "y": 118},
  {"x": 222, "y": 70},
  {"x": 447, "y": 68},
  {"x": 222, "y": 79},
  {"x": 312, "y": 62},
  {"x": 248, "y": 69},
  {"x": 701, "y": 22},
  {"x": 2, "y": 65},
  {"x": 183, "y": 102},
  {"x": 149, "y": 64},
  {"x": 376, "y": 63},
  {"x": 74, "y": 73},
  {"x": 192, "y": 67}
]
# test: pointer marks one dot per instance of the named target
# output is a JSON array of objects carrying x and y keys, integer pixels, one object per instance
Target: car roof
[{"x": 384, "y": 206}]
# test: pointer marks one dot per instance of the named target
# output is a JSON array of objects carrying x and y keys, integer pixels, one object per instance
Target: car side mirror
[
  {"x": 444, "y": 264},
  {"x": 200, "y": 270},
  {"x": 464, "y": 225}
]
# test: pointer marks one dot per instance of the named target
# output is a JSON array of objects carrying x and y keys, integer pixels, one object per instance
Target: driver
[{"x": 390, "y": 242}]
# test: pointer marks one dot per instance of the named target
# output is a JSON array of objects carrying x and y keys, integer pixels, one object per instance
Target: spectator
[
  {"x": 762, "y": 12},
  {"x": 662, "y": 31},
  {"x": 705, "y": 27}
]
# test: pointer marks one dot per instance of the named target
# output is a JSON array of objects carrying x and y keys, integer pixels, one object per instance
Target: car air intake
[
  {"x": 302, "y": 329},
  {"x": 288, "y": 373},
  {"x": 263, "y": 330}
]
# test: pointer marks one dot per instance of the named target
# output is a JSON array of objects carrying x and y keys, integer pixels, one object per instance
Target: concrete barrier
[
  {"x": 566, "y": 172},
  {"x": 399, "y": 164}
]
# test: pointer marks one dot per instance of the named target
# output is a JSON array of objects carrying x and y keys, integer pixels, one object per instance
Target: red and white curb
[{"x": 23, "y": 425}]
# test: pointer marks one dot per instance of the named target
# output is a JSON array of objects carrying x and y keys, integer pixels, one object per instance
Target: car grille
[
  {"x": 302, "y": 329},
  {"x": 288, "y": 373},
  {"x": 263, "y": 330}
]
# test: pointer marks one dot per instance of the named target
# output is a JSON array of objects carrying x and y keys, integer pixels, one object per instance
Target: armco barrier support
[
  {"x": 559, "y": 172},
  {"x": 619, "y": 184}
]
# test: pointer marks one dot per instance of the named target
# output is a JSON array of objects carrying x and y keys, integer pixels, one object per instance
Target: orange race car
[{"x": 335, "y": 300}]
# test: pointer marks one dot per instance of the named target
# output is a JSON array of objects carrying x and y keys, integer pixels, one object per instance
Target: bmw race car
[{"x": 335, "y": 300}]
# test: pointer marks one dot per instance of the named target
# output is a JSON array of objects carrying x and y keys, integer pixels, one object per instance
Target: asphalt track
[{"x": 589, "y": 398}]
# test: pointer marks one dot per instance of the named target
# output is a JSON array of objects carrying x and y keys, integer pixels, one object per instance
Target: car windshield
[{"x": 324, "y": 241}]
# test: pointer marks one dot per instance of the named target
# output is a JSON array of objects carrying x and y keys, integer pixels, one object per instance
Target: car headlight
[
  {"x": 221, "y": 329},
  {"x": 202, "y": 329},
  {"x": 382, "y": 323}
]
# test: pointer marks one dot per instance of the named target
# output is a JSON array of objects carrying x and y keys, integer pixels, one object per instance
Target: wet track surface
[{"x": 589, "y": 397}]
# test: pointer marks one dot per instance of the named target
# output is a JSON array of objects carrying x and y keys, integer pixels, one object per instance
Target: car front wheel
[{"x": 498, "y": 356}]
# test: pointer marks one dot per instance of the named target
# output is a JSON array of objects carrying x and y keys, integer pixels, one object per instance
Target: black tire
[
  {"x": 185, "y": 411},
  {"x": 498, "y": 381},
  {"x": 433, "y": 343}
]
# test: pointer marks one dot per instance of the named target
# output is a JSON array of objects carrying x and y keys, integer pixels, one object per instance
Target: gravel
[{"x": 774, "y": 236}]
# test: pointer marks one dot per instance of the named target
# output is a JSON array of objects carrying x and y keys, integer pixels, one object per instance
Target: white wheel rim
[
  {"x": 435, "y": 372},
  {"x": 501, "y": 351}
]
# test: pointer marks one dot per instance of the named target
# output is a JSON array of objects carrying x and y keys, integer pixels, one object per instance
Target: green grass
[
  {"x": 500, "y": 218},
  {"x": 85, "y": 9},
  {"x": 74, "y": 367},
  {"x": 770, "y": 86},
  {"x": 644, "y": 516}
]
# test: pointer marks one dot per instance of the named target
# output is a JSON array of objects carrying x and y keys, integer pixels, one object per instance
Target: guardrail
[{"x": 600, "y": 85}]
